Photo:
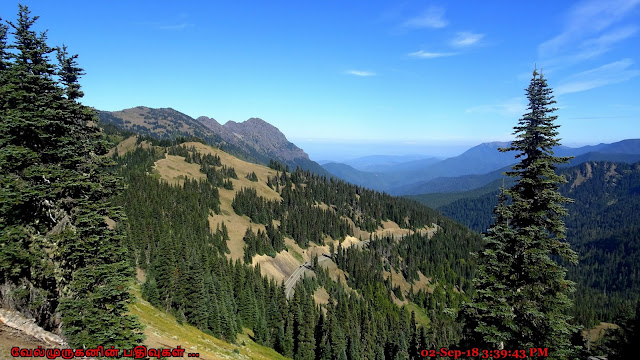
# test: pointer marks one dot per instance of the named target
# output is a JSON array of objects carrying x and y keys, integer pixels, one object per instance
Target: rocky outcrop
[
  {"x": 259, "y": 136},
  {"x": 15, "y": 320}
]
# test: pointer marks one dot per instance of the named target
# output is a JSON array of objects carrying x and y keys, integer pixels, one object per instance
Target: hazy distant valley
[{"x": 472, "y": 169}]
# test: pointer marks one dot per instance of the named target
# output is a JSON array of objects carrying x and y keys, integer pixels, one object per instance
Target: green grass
[
  {"x": 296, "y": 255},
  {"x": 162, "y": 331},
  {"x": 421, "y": 315}
]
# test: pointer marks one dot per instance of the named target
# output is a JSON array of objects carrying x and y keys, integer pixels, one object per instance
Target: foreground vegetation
[{"x": 60, "y": 261}]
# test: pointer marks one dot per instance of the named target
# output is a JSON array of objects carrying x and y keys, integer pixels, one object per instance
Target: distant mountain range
[
  {"x": 253, "y": 140},
  {"x": 258, "y": 141},
  {"x": 372, "y": 180},
  {"x": 474, "y": 168},
  {"x": 389, "y": 163}
]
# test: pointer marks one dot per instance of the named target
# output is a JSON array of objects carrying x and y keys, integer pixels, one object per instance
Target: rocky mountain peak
[{"x": 253, "y": 139}]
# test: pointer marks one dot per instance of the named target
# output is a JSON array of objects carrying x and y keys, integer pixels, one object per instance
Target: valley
[
  {"x": 470, "y": 170},
  {"x": 318, "y": 266}
]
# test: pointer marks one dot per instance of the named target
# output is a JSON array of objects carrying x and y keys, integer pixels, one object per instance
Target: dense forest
[
  {"x": 222, "y": 297},
  {"x": 602, "y": 226}
]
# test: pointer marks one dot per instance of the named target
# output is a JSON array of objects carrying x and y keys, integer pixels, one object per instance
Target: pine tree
[
  {"x": 288, "y": 342},
  {"x": 522, "y": 293}
]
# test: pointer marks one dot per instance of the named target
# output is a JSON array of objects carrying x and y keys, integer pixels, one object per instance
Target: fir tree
[
  {"x": 4, "y": 55},
  {"x": 491, "y": 294},
  {"x": 522, "y": 294},
  {"x": 56, "y": 191}
]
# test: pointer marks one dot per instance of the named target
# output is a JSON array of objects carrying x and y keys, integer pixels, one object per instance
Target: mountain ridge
[
  {"x": 474, "y": 168},
  {"x": 254, "y": 139}
]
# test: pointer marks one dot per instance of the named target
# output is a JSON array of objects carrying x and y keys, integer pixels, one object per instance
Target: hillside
[
  {"x": 161, "y": 329},
  {"x": 254, "y": 139},
  {"x": 264, "y": 141},
  {"x": 603, "y": 226},
  {"x": 236, "y": 226}
]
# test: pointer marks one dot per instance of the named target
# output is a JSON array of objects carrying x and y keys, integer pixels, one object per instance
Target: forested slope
[
  {"x": 190, "y": 272},
  {"x": 603, "y": 226}
]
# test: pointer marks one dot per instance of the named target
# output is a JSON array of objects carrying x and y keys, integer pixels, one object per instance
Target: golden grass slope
[
  {"x": 174, "y": 169},
  {"x": 124, "y": 146}
]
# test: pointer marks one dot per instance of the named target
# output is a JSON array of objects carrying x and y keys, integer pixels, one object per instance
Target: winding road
[{"x": 290, "y": 283}]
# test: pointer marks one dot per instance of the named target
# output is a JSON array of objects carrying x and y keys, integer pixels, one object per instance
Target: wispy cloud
[
  {"x": 360, "y": 73},
  {"x": 432, "y": 17},
  {"x": 600, "y": 117},
  {"x": 175, "y": 26},
  {"x": 612, "y": 73},
  {"x": 585, "y": 25},
  {"x": 603, "y": 43},
  {"x": 182, "y": 26},
  {"x": 466, "y": 38},
  {"x": 513, "y": 107},
  {"x": 430, "y": 55}
]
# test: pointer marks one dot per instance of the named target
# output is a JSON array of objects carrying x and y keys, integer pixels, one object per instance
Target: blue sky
[{"x": 349, "y": 78}]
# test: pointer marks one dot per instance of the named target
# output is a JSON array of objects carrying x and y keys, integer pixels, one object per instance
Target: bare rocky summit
[{"x": 258, "y": 135}]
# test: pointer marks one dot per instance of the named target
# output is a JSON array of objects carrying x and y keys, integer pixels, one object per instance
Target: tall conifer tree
[
  {"x": 55, "y": 193},
  {"x": 522, "y": 293}
]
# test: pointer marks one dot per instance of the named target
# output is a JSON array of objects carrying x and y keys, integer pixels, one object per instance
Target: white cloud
[
  {"x": 430, "y": 55},
  {"x": 513, "y": 107},
  {"x": 466, "y": 38},
  {"x": 584, "y": 24},
  {"x": 612, "y": 73},
  {"x": 611, "y": 37},
  {"x": 360, "y": 73},
  {"x": 432, "y": 17},
  {"x": 603, "y": 43}
]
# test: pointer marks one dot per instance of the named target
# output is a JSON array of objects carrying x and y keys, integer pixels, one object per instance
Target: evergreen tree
[
  {"x": 56, "y": 190},
  {"x": 288, "y": 341},
  {"x": 491, "y": 295},
  {"x": 522, "y": 294},
  {"x": 4, "y": 55},
  {"x": 622, "y": 343}
]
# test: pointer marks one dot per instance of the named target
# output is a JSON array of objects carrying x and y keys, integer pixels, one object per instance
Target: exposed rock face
[
  {"x": 15, "y": 320},
  {"x": 258, "y": 135}
]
